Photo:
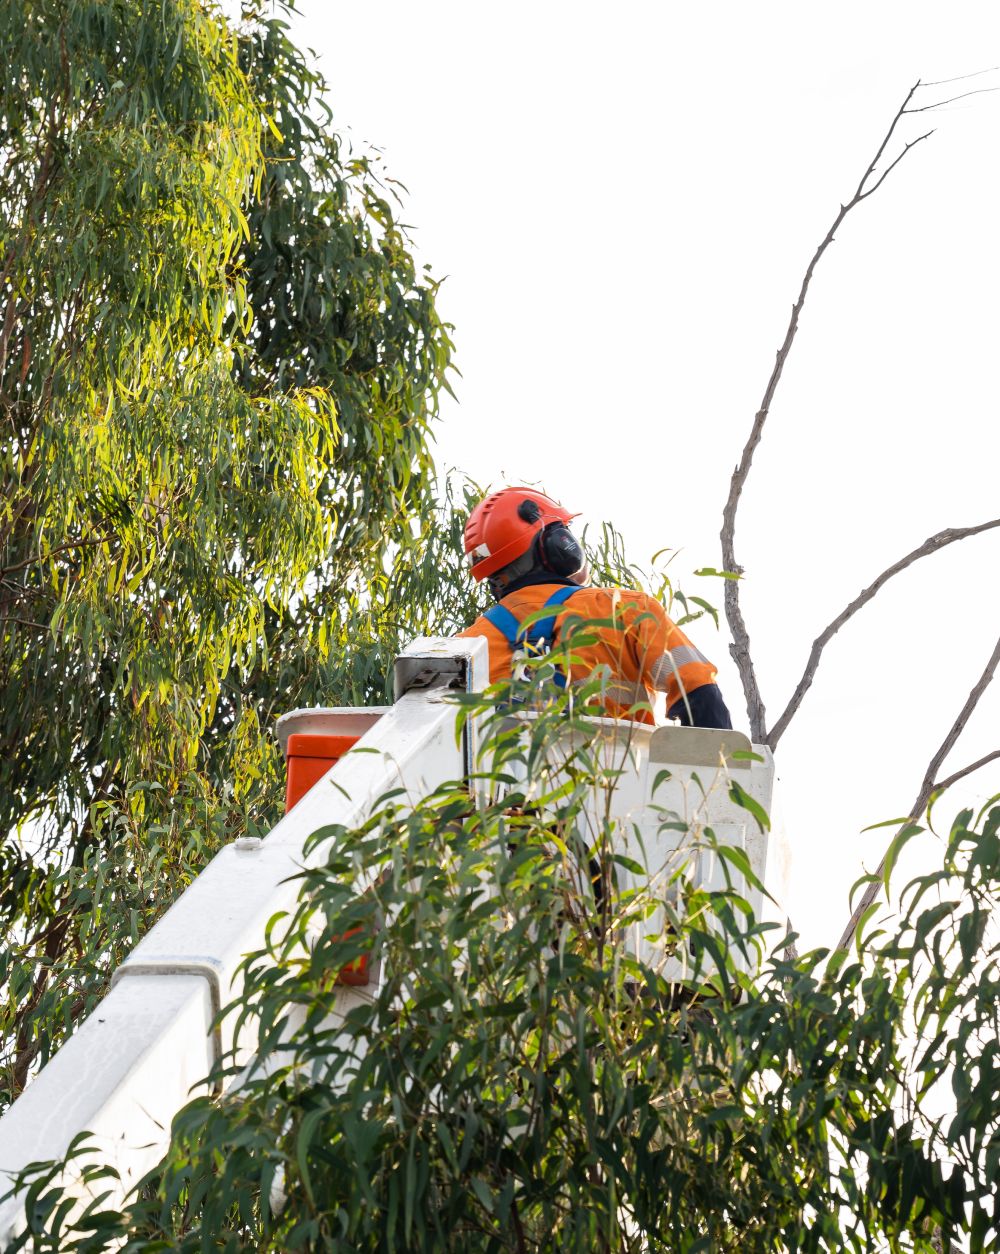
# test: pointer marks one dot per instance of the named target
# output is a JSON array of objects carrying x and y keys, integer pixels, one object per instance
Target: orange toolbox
[{"x": 308, "y": 757}]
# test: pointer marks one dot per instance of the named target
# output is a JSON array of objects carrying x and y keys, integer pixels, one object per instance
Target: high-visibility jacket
[{"x": 644, "y": 651}]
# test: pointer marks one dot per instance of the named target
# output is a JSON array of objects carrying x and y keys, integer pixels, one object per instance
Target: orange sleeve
[{"x": 666, "y": 659}]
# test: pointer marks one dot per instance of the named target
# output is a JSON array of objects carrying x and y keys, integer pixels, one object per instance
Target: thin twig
[
  {"x": 961, "y": 78},
  {"x": 889, "y": 169},
  {"x": 887, "y": 138},
  {"x": 939, "y": 104},
  {"x": 740, "y": 648},
  {"x": 928, "y": 787},
  {"x": 931, "y": 545},
  {"x": 941, "y": 785},
  {"x": 44, "y": 557}
]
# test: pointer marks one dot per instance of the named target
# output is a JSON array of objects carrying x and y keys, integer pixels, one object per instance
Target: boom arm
[{"x": 143, "y": 1051}]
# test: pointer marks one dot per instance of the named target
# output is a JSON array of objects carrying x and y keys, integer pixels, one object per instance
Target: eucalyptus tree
[
  {"x": 529, "y": 1078},
  {"x": 218, "y": 363}
]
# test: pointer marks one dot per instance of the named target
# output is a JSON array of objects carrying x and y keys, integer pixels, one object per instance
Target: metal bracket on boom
[
  {"x": 435, "y": 677},
  {"x": 210, "y": 969},
  {"x": 458, "y": 663},
  {"x": 454, "y": 663}
]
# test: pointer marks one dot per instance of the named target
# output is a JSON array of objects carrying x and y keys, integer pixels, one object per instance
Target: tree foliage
[
  {"x": 218, "y": 363},
  {"x": 526, "y": 1078}
]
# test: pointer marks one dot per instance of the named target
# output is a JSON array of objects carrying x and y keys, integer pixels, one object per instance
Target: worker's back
[
  {"x": 624, "y": 630},
  {"x": 518, "y": 540}
]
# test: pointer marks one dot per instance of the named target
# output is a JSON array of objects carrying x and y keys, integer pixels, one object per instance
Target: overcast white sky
[{"x": 623, "y": 199}]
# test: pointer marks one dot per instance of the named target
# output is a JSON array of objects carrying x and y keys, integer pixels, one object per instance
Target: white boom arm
[{"x": 140, "y": 1054}]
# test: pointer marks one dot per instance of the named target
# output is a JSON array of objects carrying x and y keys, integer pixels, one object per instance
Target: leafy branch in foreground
[{"x": 531, "y": 1074}]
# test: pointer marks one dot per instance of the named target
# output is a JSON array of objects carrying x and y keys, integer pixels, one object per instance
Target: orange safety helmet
[{"x": 503, "y": 526}]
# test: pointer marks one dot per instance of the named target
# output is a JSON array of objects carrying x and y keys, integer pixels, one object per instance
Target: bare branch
[
  {"x": 889, "y": 169},
  {"x": 939, "y": 104},
  {"x": 740, "y": 648},
  {"x": 928, "y": 786},
  {"x": 941, "y": 785},
  {"x": 930, "y": 545},
  {"x": 961, "y": 78},
  {"x": 886, "y": 140}
]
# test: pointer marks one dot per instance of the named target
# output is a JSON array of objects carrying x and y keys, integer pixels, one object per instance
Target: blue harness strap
[
  {"x": 543, "y": 629},
  {"x": 505, "y": 622}
]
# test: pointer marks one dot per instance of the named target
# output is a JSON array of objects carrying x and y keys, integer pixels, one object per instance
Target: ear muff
[{"x": 559, "y": 550}]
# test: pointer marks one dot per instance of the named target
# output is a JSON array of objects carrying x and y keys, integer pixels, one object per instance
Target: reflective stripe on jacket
[{"x": 644, "y": 651}]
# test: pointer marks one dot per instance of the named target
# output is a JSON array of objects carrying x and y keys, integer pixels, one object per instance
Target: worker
[{"x": 518, "y": 540}]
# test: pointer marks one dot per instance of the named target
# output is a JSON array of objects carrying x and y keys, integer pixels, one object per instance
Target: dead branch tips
[
  {"x": 740, "y": 647},
  {"x": 931, "y": 545}
]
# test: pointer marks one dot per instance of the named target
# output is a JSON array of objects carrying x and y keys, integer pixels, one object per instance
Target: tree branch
[
  {"x": 26, "y": 622},
  {"x": 930, "y": 545},
  {"x": 44, "y": 557},
  {"x": 859, "y": 192},
  {"x": 941, "y": 785},
  {"x": 928, "y": 787},
  {"x": 889, "y": 169},
  {"x": 740, "y": 648},
  {"x": 939, "y": 104},
  {"x": 961, "y": 78}
]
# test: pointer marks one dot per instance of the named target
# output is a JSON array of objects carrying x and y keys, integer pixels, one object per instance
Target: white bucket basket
[{"x": 668, "y": 805}]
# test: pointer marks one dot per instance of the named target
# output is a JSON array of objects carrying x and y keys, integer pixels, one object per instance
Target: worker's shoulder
[
  {"x": 481, "y": 627},
  {"x": 609, "y": 602}
]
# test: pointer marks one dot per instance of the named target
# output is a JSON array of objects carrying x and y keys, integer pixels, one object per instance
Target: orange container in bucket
[{"x": 309, "y": 756}]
